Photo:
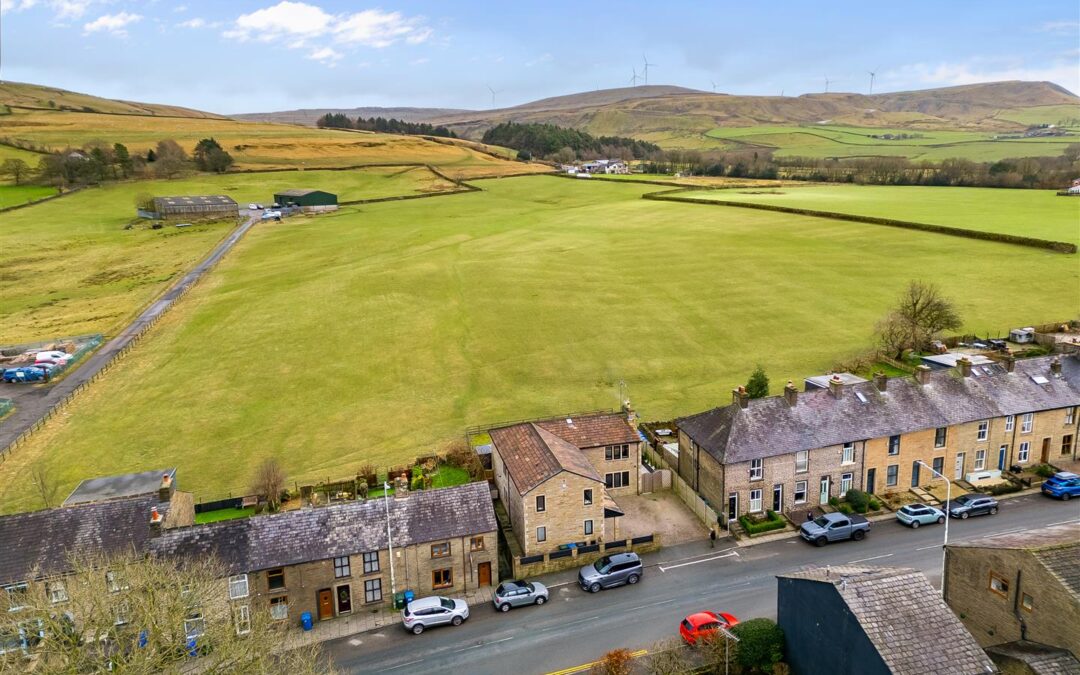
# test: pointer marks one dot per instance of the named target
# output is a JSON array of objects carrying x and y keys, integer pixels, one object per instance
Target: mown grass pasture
[
  {"x": 13, "y": 195},
  {"x": 378, "y": 333}
]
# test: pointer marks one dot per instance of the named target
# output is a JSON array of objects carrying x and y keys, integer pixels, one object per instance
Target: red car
[{"x": 704, "y": 625}]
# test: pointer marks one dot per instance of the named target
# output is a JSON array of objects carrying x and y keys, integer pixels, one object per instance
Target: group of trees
[
  {"x": 921, "y": 314},
  {"x": 383, "y": 125},
  {"x": 560, "y": 144}
]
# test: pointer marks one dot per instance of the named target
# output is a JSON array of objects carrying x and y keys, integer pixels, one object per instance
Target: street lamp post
[
  {"x": 948, "y": 500},
  {"x": 389, "y": 542}
]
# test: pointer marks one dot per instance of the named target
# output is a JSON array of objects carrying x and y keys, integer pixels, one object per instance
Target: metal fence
[{"x": 6, "y": 406}]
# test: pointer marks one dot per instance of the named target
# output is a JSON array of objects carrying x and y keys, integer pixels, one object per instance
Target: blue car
[
  {"x": 1062, "y": 485},
  {"x": 24, "y": 374}
]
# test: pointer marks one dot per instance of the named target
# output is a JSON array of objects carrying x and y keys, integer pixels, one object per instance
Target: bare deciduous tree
[
  {"x": 16, "y": 168},
  {"x": 133, "y": 614},
  {"x": 269, "y": 482},
  {"x": 669, "y": 657},
  {"x": 44, "y": 484},
  {"x": 920, "y": 316}
]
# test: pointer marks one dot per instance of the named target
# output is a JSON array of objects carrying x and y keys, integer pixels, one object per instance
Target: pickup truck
[{"x": 834, "y": 527}]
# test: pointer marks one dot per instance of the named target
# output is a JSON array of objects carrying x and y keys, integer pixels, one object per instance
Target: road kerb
[{"x": 588, "y": 666}]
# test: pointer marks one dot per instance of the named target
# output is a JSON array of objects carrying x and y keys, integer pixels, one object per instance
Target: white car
[
  {"x": 253, "y": 207},
  {"x": 271, "y": 215},
  {"x": 52, "y": 357}
]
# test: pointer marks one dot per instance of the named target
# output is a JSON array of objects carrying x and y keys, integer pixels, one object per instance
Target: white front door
[
  {"x": 958, "y": 472},
  {"x": 823, "y": 498}
]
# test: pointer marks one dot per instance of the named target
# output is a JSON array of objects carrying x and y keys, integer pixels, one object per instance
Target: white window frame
[
  {"x": 846, "y": 482},
  {"x": 588, "y": 527},
  {"x": 799, "y": 489},
  {"x": 802, "y": 461},
  {"x": 757, "y": 469},
  {"x": 848, "y": 456},
  {"x": 123, "y": 613},
  {"x": 342, "y": 570},
  {"x": 57, "y": 592},
  {"x": 984, "y": 431},
  {"x": 279, "y": 608},
  {"x": 237, "y": 582},
  {"x": 1010, "y": 422},
  {"x": 11, "y": 589},
  {"x": 1024, "y": 453},
  {"x": 755, "y": 502},
  {"x": 980, "y": 460},
  {"x": 1070, "y": 415},
  {"x": 114, "y": 582},
  {"x": 242, "y": 619},
  {"x": 1026, "y": 423},
  {"x": 194, "y": 625}
]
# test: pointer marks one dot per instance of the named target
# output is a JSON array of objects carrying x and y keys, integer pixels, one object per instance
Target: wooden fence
[{"x": 705, "y": 513}]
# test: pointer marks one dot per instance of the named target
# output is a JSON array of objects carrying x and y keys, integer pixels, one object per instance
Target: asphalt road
[
  {"x": 576, "y": 627},
  {"x": 33, "y": 402}
]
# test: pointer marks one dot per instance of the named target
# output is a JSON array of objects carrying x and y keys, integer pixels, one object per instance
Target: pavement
[
  {"x": 34, "y": 402},
  {"x": 576, "y": 627}
]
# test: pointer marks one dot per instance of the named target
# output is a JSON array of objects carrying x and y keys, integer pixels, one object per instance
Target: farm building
[
  {"x": 307, "y": 200},
  {"x": 199, "y": 206}
]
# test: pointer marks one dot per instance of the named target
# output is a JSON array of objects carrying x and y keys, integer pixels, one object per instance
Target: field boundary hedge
[
  {"x": 1046, "y": 244},
  {"x": 35, "y": 202}
]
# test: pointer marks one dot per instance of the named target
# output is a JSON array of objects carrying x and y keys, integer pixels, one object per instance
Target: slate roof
[
  {"x": 769, "y": 426},
  {"x": 532, "y": 454},
  {"x": 113, "y": 487},
  {"x": 906, "y": 620},
  {"x": 43, "y": 541},
  {"x": 195, "y": 200},
  {"x": 1041, "y": 659},
  {"x": 822, "y": 381},
  {"x": 292, "y": 537},
  {"x": 1056, "y": 547}
]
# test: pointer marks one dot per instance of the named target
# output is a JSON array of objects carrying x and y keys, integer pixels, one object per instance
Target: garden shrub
[
  {"x": 1043, "y": 470},
  {"x": 846, "y": 509},
  {"x": 761, "y": 644},
  {"x": 834, "y": 502},
  {"x": 771, "y": 522},
  {"x": 417, "y": 482},
  {"x": 1001, "y": 488},
  {"x": 874, "y": 504},
  {"x": 858, "y": 500}
]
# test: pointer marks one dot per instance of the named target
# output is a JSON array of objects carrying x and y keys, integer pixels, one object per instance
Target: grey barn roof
[
  {"x": 911, "y": 627},
  {"x": 196, "y": 200},
  {"x": 292, "y": 537},
  {"x": 113, "y": 487},
  {"x": 40, "y": 542},
  {"x": 769, "y": 426}
]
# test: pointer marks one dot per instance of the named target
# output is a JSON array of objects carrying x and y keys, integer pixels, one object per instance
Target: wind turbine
[
  {"x": 827, "y": 81},
  {"x": 635, "y": 78},
  {"x": 493, "y": 92},
  {"x": 713, "y": 86},
  {"x": 647, "y": 64},
  {"x": 872, "y": 76}
]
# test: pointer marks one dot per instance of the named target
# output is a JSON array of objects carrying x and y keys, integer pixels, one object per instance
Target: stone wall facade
[
  {"x": 627, "y": 468},
  {"x": 565, "y": 518}
]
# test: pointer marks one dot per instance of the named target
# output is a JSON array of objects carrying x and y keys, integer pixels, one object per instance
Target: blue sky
[{"x": 245, "y": 56}]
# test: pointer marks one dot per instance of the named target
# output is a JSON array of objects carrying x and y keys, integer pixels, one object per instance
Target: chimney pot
[
  {"x": 165, "y": 490},
  {"x": 155, "y": 522},
  {"x": 836, "y": 386},
  {"x": 1055, "y": 367},
  {"x": 922, "y": 374},
  {"x": 740, "y": 396},
  {"x": 881, "y": 381},
  {"x": 791, "y": 394},
  {"x": 964, "y": 364},
  {"x": 1010, "y": 363}
]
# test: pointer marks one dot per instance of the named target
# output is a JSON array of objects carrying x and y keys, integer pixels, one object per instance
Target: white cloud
[
  {"x": 419, "y": 62},
  {"x": 543, "y": 58},
  {"x": 192, "y": 23},
  {"x": 300, "y": 22},
  {"x": 292, "y": 19},
  {"x": 70, "y": 9},
  {"x": 1063, "y": 73},
  {"x": 1061, "y": 27},
  {"x": 325, "y": 55},
  {"x": 180, "y": 8},
  {"x": 114, "y": 24}
]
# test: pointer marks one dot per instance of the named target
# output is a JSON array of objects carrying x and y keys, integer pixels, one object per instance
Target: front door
[
  {"x": 733, "y": 506},
  {"x": 958, "y": 470},
  {"x": 823, "y": 498},
  {"x": 1001, "y": 457},
  {"x": 870, "y": 475},
  {"x": 326, "y": 604},
  {"x": 344, "y": 599},
  {"x": 483, "y": 573},
  {"x": 915, "y": 474},
  {"x": 1046, "y": 450},
  {"x": 778, "y": 498}
]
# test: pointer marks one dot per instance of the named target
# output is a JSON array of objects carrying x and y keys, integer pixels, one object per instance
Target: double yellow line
[{"x": 587, "y": 666}]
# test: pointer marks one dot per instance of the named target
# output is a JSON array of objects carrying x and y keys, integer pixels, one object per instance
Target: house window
[
  {"x": 894, "y": 445},
  {"x": 194, "y": 626},
  {"x": 802, "y": 462},
  {"x": 16, "y": 596},
  {"x": 442, "y": 578},
  {"x": 242, "y": 618},
  {"x": 756, "y": 469},
  {"x": 1025, "y": 423},
  {"x": 617, "y": 480},
  {"x": 848, "y": 456},
  {"x": 980, "y": 460},
  {"x": 891, "y": 475},
  {"x": 57, "y": 592},
  {"x": 755, "y": 501},
  {"x": 476, "y": 543},
  {"x": 1010, "y": 420},
  {"x": 114, "y": 582},
  {"x": 238, "y": 587},
  {"x": 984, "y": 430},
  {"x": 800, "y": 492},
  {"x": 275, "y": 579},
  {"x": 845, "y": 482},
  {"x": 1025, "y": 450},
  {"x": 999, "y": 585},
  {"x": 279, "y": 608},
  {"x": 342, "y": 568},
  {"x": 940, "y": 434},
  {"x": 440, "y": 550},
  {"x": 123, "y": 613},
  {"x": 613, "y": 452},
  {"x": 1027, "y": 602},
  {"x": 588, "y": 497},
  {"x": 588, "y": 527},
  {"x": 541, "y": 503},
  {"x": 373, "y": 590},
  {"x": 1070, "y": 415},
  {"x": 371, "y": 562},
  {"x": 541, "y": 534},
  {"x": 1066, "y": 444}
]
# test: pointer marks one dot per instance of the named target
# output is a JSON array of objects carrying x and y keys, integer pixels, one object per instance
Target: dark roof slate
[
  {"x": 113, "y": 487},
  {"x": 1041, "y": 659},
  {"x": 292, "y": 537}
]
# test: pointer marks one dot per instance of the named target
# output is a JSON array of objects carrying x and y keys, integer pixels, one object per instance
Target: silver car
[
  {"x": 517, "y": 593},
  {"x": 611, "y": 570},
  {"x": 433, "y": 611}
]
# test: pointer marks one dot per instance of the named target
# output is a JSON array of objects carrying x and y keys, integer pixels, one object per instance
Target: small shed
[
  {"x": 1022, "y": 335},
  {"x": 195, "y": 207},
  {"x": 315, "y": 200},
  {"x": 119, "y": 487}
]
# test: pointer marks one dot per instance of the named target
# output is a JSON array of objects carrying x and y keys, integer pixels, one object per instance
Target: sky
[{"x": 233, "y": 56}]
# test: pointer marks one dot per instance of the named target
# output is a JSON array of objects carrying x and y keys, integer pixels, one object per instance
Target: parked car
[
  {"x": 24, "y": 374},
  {"x": 834, "y": 527},
  {"x": 271, "y": 215},
  {"x": 920, "y": 514},
  {"x": 253, "y": 207},
  {"x": 518, "y": 593},
  {"x": 1063, "y": 485},
  {"x": 971, "y": 505},
  {"x": 53, "y": 356},
  {"x": 259, "y": 206},
  {"x": 611, "y": 570},
  {"x": 434, "y": 611},
  {"x": 704, "y": 625}
]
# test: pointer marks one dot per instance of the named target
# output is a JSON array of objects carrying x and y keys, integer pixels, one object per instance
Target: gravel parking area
[{"x": 662, "y": 514}]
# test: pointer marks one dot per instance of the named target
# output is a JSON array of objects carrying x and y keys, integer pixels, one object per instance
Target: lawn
[
  {"x": 71, "y": 268},
  {"x": 13, "y": 195},
  {"x": 223, "y": 514},
  {"x": 1030, "y": 213},
  {"x": 381, "y": 332}
]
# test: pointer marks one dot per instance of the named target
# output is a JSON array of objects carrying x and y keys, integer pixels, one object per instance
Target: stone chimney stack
[
  {"x": 922, "y": 375},
  {"x": 165, "y": 490},
  {"x": 791, "y": 394},
  {"x": 1010, "y": 363},
  {"x": 740, "y": 396},
  {"x": 1055, "y": 367},
  {"x": 964, "y": 365},
  {"x": 836, "y": 386},
  {"x": 631, "y": 414},
  {"x": 881, "y": 381},
  {"x": 156, "y": 522}
]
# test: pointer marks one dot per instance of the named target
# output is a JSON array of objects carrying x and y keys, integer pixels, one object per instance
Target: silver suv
[
  {"x": 611, "y": 570},
  {"x": 518, "y": 593},
  {"x": 433, "y": 611}
]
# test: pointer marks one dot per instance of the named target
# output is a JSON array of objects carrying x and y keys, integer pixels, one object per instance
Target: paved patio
[{"x": 662, "y": 514}]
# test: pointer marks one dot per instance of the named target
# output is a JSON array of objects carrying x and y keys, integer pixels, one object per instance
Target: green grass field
[
  {"x": 378, "y": 333},
  {"x": 71, "y": 268},
  {"x": 1030, "y": 213},
  {"x": 13, "y": 195}
]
